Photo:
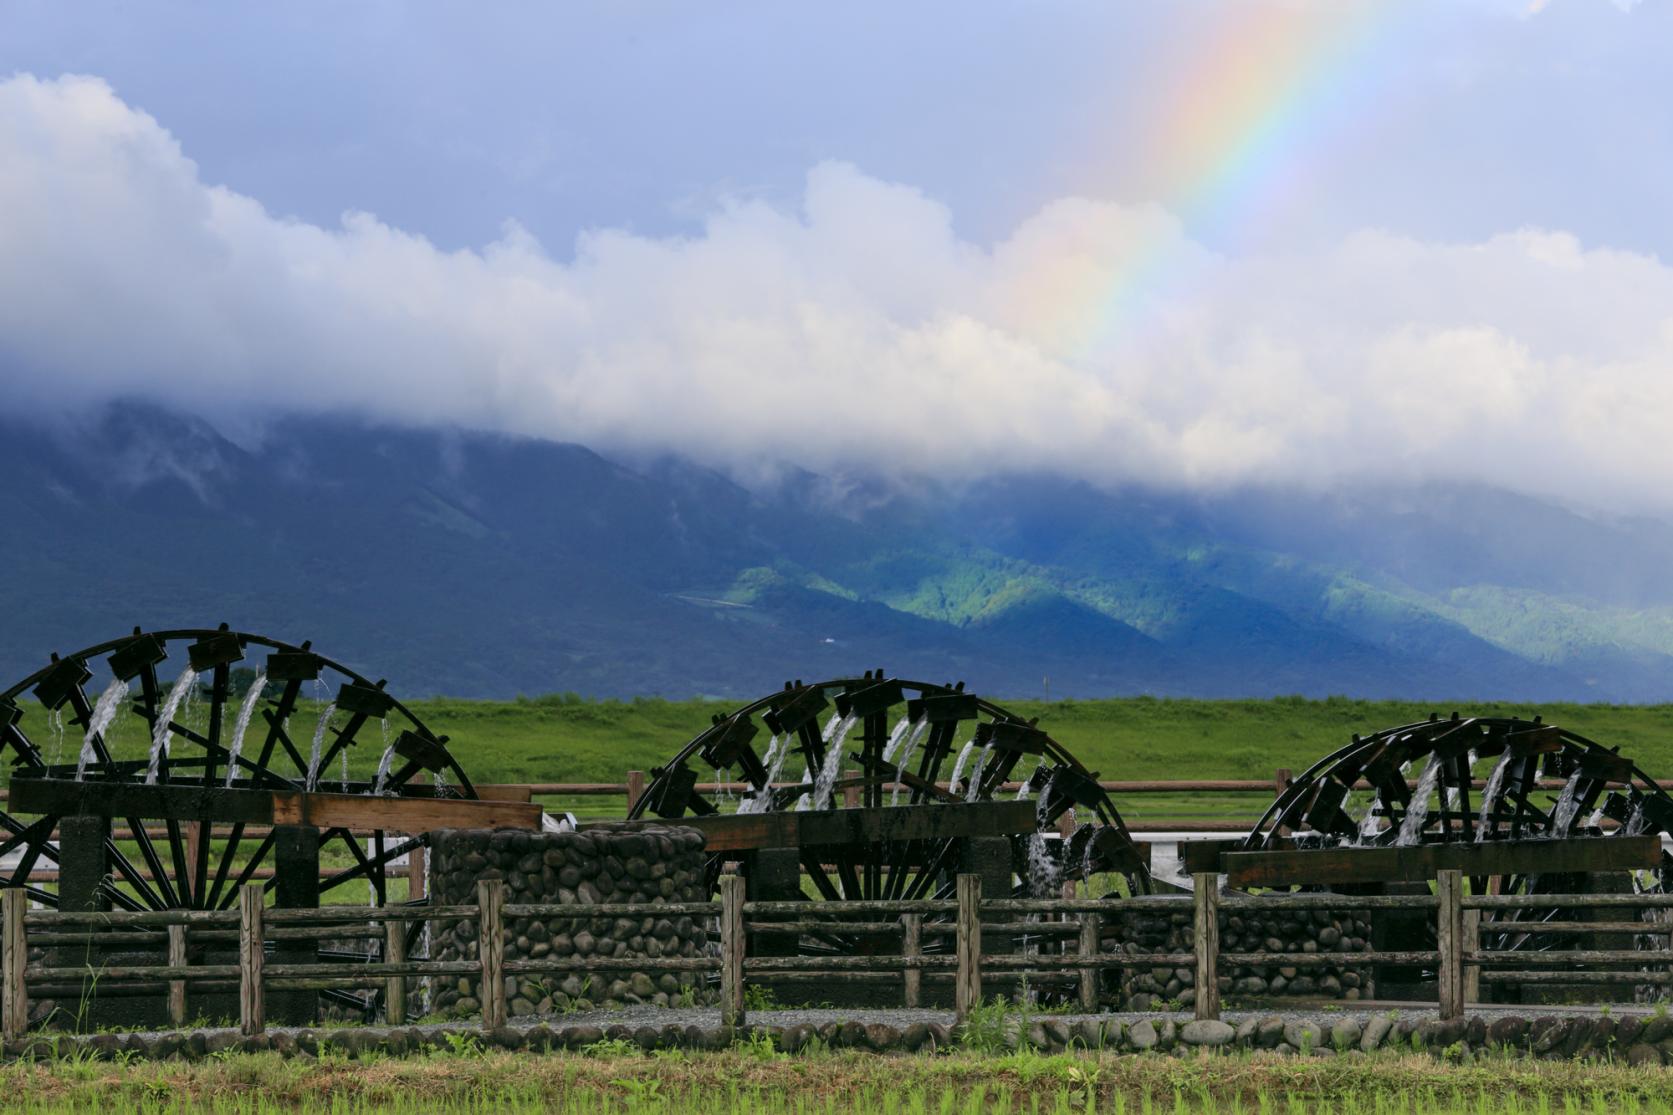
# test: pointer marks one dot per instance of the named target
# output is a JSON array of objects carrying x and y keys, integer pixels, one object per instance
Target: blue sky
[{"x": 1449, "y": 233}]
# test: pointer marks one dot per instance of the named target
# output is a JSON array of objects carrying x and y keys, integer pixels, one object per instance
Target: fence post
[
  {"x": 1091, "y": 943},
  {"x": 177, "y": 987},
  {"x": 732, "y": 940},
  {"x": 417, "y": 886},
  {"x": 14, "y": 958},
  {"x": 252, "y": 1017},
  {"x": 1472, "y": 942},
  {"x": 1449, "y": 936},
  {"x": 490, "y": 950},
  {"x": 635, "y": 788},
  {"x": 395, "y": 988},
  {"x": 967, "y": 990},
  {"x": 1205, "y": 891},
  {"x": 912, "y": 947}
]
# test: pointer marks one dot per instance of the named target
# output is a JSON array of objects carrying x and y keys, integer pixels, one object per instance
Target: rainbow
[{"x": 1248, "y": 113}]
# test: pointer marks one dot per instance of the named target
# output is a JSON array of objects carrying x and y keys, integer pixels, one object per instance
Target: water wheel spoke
[
  {"x": 235, "y": 836},
  {"x": 158, "y": 893},
  {"x": 249, "y": 871}
]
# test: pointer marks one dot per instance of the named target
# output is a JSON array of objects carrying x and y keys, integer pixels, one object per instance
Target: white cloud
[{"x": 856, "y": 332}]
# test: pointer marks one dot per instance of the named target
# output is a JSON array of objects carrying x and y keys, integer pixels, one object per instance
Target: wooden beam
[
  {"x": 187, "y": 802},
  {"x": 1422, "y": 862},
  {"x": 835, "y": 827},
  {"x": 327, "y": 811}
]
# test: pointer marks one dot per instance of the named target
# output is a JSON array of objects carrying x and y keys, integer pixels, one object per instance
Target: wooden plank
[
  {"x": 635, "y": 788},
  {"x": 177, "y": 988},
  {"x": 1449, "y": 937},
  {"x": 327, "y": 811},
  {"x": 14, "y": 1010},
  {"x": 1091, "y": 944},
  {"x": 911, "y": 948},
  {"x": 490, "y": 950},
  {"x": 504, "y": 791},
  {"x": 251, "y": 1008},
  {"x": 967, "y": 988},
  {"x": 841, "y": 827},
  {"x": 395, "y": 988},
  {"x": 732, "y": 943},
  {"x": 1205, "y": 931},
  {"x": 1472, "y": 971},
  {"x": 1424, "y": 861},
  {"x": 188, "y": 802}
]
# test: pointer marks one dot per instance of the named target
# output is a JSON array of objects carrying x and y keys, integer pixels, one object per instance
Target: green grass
[
  {"x": 562, "y": 738},
  {"x": 754, "y": 1080}
]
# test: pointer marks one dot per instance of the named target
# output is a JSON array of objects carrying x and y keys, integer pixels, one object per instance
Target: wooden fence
[{"x": 1459, "y": 960}]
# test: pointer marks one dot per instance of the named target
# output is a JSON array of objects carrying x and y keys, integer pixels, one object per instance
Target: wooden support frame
[
  {"x": 843, "y": 827},
  {"x": 252, "y": 1017},
  {"x": 732, "y": 943},
  {"x": 1091, "y": 944},
  {"x": 14, "y": 905},
  {"x": 967, "y": 986},
  {"x": 911, "y": 948},
  {"x": 177, "y": 988},
  {"x": 1205, "y": 930},
  {"x": 1422, "y": 862},
  {"x": 1449, "y": 933},
  {"x": 490, "y": 950},
  {"x": 395, "y": 988}
]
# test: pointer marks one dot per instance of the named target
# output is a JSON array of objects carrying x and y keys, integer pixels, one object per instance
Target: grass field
[
  {"x": 554, "y": 739},
  {"x": 754, "y": 1080}
]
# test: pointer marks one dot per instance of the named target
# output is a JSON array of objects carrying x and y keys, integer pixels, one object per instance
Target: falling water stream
[
  {"x": 777, "y": 748},
  {"x": 1568, "y": 804},
  {"x": 319, "y": 742},
  {"x": 958, "y": 765},
  {"x": 1411, "y": 825},
  {"x": 912, "y": 741},
  {"x": 1490, "y": 795},
  {"x": 976, "y": 773},
  {"x": 161, "y": 731},
  {"x": 103, "y": 713},
  {"x": 242, "y": 725},
  {"x": 836, "y": 733}
]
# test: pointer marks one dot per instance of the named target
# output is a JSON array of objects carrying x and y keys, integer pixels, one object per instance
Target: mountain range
[{"x": 471, "y": 564}]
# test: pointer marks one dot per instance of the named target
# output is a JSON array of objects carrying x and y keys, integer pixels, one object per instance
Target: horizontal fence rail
[{"x": 959, "y": 940}]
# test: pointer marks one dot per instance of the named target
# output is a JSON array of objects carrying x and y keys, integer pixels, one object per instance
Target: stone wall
[
  {"x": 1639, "y": 1040},
  {"x": 630, "y": 864},
  {"x": 1142, "y": 987}
]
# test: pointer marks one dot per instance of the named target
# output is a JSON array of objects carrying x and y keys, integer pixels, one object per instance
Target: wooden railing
[{"x": 1459, "y": 960}]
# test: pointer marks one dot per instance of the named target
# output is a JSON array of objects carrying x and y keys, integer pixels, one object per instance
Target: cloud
[{"x": 854, "y": 332}]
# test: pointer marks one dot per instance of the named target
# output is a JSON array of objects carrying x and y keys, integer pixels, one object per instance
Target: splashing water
[
  {"x": 345, "y": 769},
  {"x": 103, "y": 713},
  {"x": 976, "y": 773},
  {"x": 1045, "y": 874},
  {"x": 242, "y": 725},
  {"x": 804, "y": 800},
  {"x": 958, "y": 765},
  {"x": 1568, "y": 804},
  {"x": 160, "y": 732},
  {"x": 1370, "y": 825},
  {"x": 836, "y": 732},
  {"x": 441, "y": 785},
  {"x": 1490, "y": 796},
  {"x": 912, "y": 742},
  {"x": 777, "y": 749},
  {"x": 1411, "y": 825},
  {"x": 318, "y": 745},
  {"x": 1023, "y": 791}
]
